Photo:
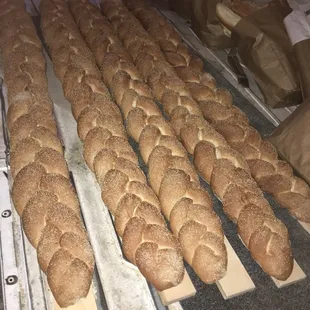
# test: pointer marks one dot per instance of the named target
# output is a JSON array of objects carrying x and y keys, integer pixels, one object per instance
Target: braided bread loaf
[
  {"x": 184, "y": 203},
  {"x": 146, "y": 240},
  {"x": 225, "y": 169},
  {"x": 42, "y": 193},
  {"x": 273, "y": 175}
]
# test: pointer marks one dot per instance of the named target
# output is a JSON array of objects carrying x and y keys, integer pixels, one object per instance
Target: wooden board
[
  {"x": 88, "y": 303},
  {"x": 228, "y": 285},
  {"x": 184, "y": 290},
  {"x": 296, "y": 276}
]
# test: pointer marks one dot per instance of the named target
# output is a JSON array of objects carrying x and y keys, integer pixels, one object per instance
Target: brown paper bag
[
  {"x": 264, "y": 47},
  {"x": 302, "y": 54},
  {"x": 206, "y": 25},
  {"x": 292, "y": 140},
  {"x": 297, "y": 25}
]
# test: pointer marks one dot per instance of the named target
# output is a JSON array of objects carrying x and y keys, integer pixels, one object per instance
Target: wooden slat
[
  {"x": 228, "y": 285},
  {"x": 296, "y": 276},
  {"x": 88, "y": 303},
  {"x": 184, "y": 290}
]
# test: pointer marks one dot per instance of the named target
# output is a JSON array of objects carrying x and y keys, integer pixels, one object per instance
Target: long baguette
[
  {"x": 226, "y": 170},
  {"x": 146, "y": 240},
  {"x": 187, "y": 206},
  {"x": 42, "y": 193},
  {"x": 273, "y": 175}
]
